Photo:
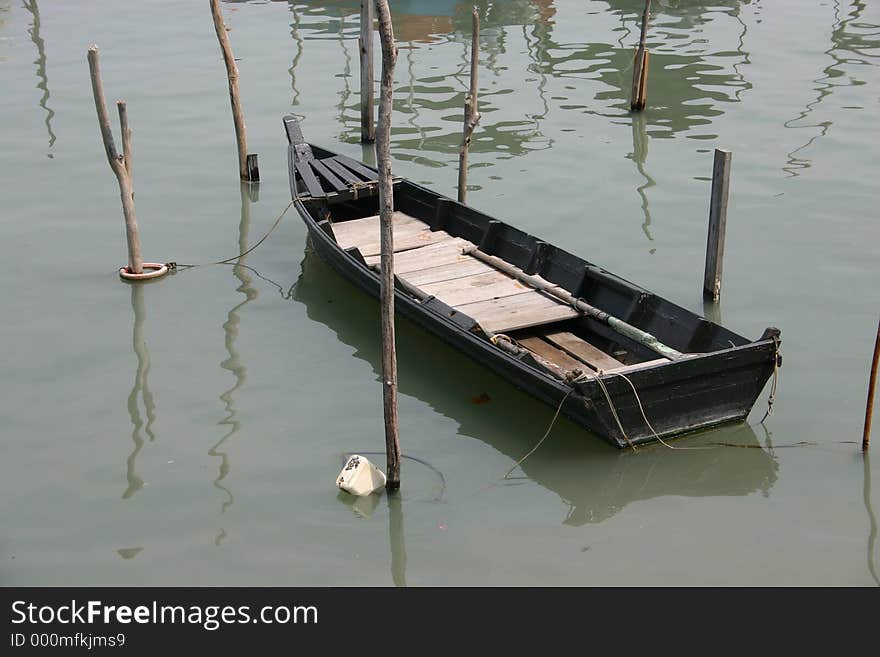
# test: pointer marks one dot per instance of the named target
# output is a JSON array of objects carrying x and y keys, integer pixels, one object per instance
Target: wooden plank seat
[
  {"x": 551, "y": 354},
  {"x": 337, "y": 178},
  {"x": 570, "y": 352},
  {"x": 582, "y": 350}
]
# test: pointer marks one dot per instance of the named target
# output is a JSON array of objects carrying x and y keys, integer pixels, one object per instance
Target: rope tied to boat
[
  {"x": 173, "y": 266},
  {"x": 777, "y": 363},
  {"x": 578, "y": 376}
]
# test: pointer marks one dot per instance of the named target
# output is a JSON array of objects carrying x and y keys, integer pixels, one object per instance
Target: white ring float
[{"x": 157, "y": 269}]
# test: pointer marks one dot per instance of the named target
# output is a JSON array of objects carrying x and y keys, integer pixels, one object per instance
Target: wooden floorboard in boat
[
  {"x": 477, "y": 287},
  {"x": 366, "y": 230},
  {"x": 444, "y": 252},
  {"x": 405, "y": 240},
  {"x": 517, "y": 311},
  {"x": 583, "y": 350},
  {"x": 466, "y": 266},
  {"x": 550, "y": 353}
]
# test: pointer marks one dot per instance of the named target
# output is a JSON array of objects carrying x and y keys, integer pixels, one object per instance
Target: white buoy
[{"x": 360, "y": 477}]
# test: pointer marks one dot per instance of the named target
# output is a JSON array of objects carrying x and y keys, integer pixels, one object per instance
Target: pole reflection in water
[
  {"x": 43, "y": 81},
  {"x": 396, "y": 538},
  {"x": 640, "y": 156},
  {"x": 853, "y": 42},
  {"x": 712, "y": 310},
  {"x": 297, "y": 39},
  {"x": 140, "y": 388},
  {"x": 345, "y": 92},
  {"x": 872, "y": 519},
  {"x": 233, "y": 364}
]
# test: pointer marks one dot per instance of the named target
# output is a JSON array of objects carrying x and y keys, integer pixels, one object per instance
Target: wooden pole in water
[
  {"x": 471, "y": 113},
  {"x": 386, "y": 277},
  {"x": 639, "y": 93},
  {"x": 248, "y": 168},
  {"x": 365, "y": 46},
  {"x": 872, "y": 381},
  {"x": 120, "y": 164},
  {"x": 717, "y": 224}
]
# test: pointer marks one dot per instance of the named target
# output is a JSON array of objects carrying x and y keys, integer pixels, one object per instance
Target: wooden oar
[{"x": 618, "y": 325}]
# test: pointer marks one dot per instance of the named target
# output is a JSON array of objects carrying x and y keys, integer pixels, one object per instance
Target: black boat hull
[
  {"x": 659, "y": 400},
  {"x": 689, "y": 395}
]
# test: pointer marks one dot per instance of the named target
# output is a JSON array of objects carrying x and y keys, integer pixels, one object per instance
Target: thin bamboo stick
[
  {"x": 872, "y": 382},
  {"x": 618, "y": 325}
]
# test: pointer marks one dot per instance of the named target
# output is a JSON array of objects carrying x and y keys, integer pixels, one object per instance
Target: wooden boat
[{"x": 626, "y": 364}]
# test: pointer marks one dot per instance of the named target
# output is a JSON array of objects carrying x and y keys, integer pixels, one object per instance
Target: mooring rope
[
  {"x": 597, "y": 377},
  {"x": 772, "y": 397},
  {"x": 543, "y": 438},
  {"x": 175, "y": 266}
]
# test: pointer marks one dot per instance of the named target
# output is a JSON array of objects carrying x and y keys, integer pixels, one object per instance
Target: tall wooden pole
[
  {"x": 640, "y": 67},
  {"x": 471, "y": 113},
  {"x": 247, "y": 164},
  {"x": 717, "y": 224},
  {"x": 386, "y": 210},
  {"x": 365, "y": 46},
  {"x": 872, "y": 382},
  {"x": 120, "y": 164}
]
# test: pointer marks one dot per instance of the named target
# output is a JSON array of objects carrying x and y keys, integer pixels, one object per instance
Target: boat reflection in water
[{"x": 594, "y": 480}]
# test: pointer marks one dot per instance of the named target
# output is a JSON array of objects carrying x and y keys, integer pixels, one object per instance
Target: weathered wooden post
[
  {"x": 365, "y": 47},
  {"x": 120, "y": 164},
  {"x": 386, "y": 210},
  {"x": 872, "y": 381},
  {"x": 248, "y": 167},
  {"x": 640, "y": 67},
  {"x": 717, "y": 224},
  {"x": 471, "y": 113}
]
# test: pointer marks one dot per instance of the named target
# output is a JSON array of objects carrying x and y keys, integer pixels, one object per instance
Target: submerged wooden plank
[
  {"x": 445, "y": 252},
  {"x": 548, "y": 352},
  {"x": 467, "y": 266},
  {"x": 518, "y": 311},
  {"x": 580, "y": 348},
  {"x": 477, "y": 287}
]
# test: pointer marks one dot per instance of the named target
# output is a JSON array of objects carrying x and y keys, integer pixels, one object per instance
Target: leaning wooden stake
[
  {"x": 471, "y": 112},
  {"x": 872, "y": 382},
  {"x": 121, "y": 164},
  {"x": 386, "y": 277},
  {"x": 717, "y": 224},
  {"x": 247, "y": 164},
  {"x": 365, "y": 46},
  {"x": 639, "y": 94}
]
